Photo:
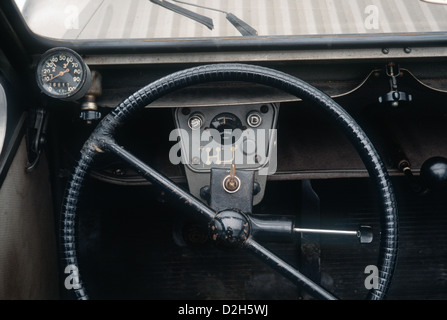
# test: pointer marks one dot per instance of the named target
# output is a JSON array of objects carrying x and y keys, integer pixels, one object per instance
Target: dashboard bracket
[{"x": 241, "y": 200}]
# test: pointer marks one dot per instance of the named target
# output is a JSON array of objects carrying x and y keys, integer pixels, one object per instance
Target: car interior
[{"x": 225, "y": 150}]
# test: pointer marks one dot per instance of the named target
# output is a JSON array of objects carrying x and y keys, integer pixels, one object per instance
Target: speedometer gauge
[{"x": 61, "y": 73}]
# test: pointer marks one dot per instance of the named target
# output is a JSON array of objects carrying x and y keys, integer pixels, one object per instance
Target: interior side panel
[{"x": 28, "y": 264}]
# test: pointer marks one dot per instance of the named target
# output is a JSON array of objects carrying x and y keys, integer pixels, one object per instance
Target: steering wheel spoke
[
  {"x": 203, "y": 211},
  {"x": 287, "y": 270}
]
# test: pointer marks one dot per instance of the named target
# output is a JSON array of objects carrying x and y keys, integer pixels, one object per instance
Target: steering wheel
[{"x": 241, "y": 225}]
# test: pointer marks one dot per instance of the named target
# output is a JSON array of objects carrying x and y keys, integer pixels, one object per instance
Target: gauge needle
[{"x": 60, "y": 74}]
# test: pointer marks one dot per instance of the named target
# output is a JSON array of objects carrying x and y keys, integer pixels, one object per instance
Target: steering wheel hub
[{"x": 229, "y": 229}]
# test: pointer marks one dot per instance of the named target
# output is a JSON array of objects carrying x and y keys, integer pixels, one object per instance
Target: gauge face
[
  {"x": 226, "y": 123},
  {"x": 62, "y": 74}
]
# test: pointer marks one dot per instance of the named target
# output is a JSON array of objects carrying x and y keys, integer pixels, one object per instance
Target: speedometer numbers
[{"x": 61, "y": 73}]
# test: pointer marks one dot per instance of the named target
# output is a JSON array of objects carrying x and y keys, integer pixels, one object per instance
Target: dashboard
[{"x": 308, "y": 146}]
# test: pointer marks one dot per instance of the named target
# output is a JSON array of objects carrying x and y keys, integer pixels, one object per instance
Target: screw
[
  {"x": 119, "y": 172},
  {"x": 265, "y": 108},
  {"x": 385, "y": 50}
]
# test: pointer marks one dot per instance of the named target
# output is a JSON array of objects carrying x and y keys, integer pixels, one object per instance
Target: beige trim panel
[{"x": 28, "y": 252}]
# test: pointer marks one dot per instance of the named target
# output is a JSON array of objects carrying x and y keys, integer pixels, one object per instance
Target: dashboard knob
[
  {"x": 434, "y": 173},
  {"x": 254, "y": 119},
  {"x": 195, "y": 121}
]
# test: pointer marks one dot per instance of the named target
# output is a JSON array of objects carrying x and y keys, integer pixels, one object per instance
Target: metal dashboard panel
[{"x": 198, "y": 173}]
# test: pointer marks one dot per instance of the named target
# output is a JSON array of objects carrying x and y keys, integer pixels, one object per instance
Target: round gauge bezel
[
  {"x": 228, "y": 115},
  {"x": 81, "y": 88}
]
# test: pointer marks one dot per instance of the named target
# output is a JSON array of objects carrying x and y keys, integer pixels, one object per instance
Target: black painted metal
[
  {"x": 242, "y": 200},
  {"x": 230, "y": 229},
  {"x": 267, "y": 227}
]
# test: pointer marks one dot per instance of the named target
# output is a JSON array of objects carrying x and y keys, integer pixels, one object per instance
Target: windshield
[{"x": 151, "y": 19}]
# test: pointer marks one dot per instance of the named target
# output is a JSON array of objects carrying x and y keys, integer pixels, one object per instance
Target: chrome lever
[{"x": 364, "y": 234}]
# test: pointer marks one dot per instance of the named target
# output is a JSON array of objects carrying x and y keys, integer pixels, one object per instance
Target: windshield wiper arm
[
  {"x": 244, "y": 28},
  {"x": 208, "y": 22}
]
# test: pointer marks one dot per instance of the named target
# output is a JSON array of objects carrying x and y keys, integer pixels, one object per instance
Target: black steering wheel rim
[{"x": 104, "y": 133}]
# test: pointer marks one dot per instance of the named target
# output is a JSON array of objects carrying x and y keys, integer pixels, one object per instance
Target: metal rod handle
[{"x": 364, "y": 234}]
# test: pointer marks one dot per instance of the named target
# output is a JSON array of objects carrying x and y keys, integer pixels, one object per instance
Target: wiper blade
[
  {"x": 244, "y": 28},
  {"x": 208, "y": 22}
]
